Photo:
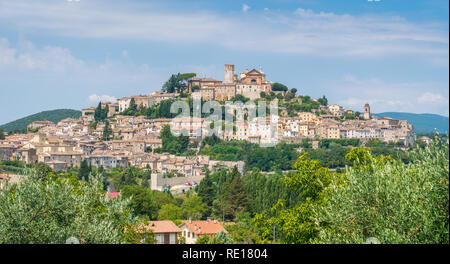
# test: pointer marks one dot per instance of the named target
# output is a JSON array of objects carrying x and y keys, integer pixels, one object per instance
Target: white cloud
[
  {"x": 93, "y": 98},
  {"x": 301, "y": 32},
  {"x": 384, "y": 96},
  {"x": 432, "y": 98}
]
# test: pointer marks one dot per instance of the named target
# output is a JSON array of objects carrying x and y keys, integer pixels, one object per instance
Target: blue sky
[{"x": 67, "y": 54}]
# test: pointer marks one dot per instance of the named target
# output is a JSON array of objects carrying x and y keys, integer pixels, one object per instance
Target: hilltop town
[{"x": 117, "y": 134}]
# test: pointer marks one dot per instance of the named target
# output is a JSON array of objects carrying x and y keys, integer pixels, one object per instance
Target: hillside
[
  {"x": 423, "y": 123},
  {"x": 53, "y": 116}
]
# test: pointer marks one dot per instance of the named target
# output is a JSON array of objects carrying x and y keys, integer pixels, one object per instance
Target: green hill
[
  {"x": 54, "y": 116},
  {"x": 423, "y": 123}
]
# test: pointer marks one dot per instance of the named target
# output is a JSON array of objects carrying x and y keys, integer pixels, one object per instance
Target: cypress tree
[
  {"x": 98, "y": 112},
  {"x": 83, "y": 173},
  {"x": 206, "y": 190},
  {"x": 239, "y": 202}
]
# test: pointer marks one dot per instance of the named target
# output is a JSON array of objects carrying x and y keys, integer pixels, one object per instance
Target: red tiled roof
[
  {"x": 162, "y": 227},
  {"x": 204, "y": 227}
]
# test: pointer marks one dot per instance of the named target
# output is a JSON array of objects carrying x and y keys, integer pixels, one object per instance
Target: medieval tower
[
  {"x": 367, "y": 111},
  {"x": 229, "y": 73}
]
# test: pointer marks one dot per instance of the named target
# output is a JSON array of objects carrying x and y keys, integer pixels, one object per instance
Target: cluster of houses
[
  {"x": 135, "y": 138},
  {"x": 310, "y": 125}
]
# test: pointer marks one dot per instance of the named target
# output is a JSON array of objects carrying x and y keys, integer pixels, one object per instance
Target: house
[
  {"x": 39, "y": 124},
  {"x": 166, "y": 232},
  {"x": 192, "y": 230}
]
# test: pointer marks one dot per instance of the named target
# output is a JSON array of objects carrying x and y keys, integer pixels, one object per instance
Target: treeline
[
  {"x": 280, "y": 157},
  {"x": 20, "y": 125}
]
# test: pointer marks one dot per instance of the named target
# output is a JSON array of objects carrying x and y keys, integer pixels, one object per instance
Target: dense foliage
[
  {"x": 391, "y": 201},
  {"x": 48, "y": 209},
  {"x": 280, "y": 157},
  {"x": 173, "y": 144}
]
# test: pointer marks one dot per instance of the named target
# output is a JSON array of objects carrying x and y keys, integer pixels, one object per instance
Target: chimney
[
  {"x": 195, "y": 227},
  {"x": 190, "y": 220},
  {"x": 199, "y": 230},
  {"x": 215, "y": 221}
]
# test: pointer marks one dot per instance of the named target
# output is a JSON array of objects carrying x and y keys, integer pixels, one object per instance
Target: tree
[
  {"x": 389, "y": 200},
  {"x": 83, "y": 173},
  {"x": 107, "y": 131},
  {"x": 294, "y": 91},
  {"x": 171, "y": 85},
  {"x": 243, "y": 231},
  {"x": 170, "y": 212},
  {"x": 194, "y": 207},
  {"x": 238, "y": 199},
  {"x": 105, "y": 112},
  {"x": 323, "y": 100},
  {"x": 240, "y": 98},
  {"x": 177, "y": 82},
  {"x": 98, "y": 114},
  {"x": 142, "y": 200},
  {"x": 173, "y": 144},
  {"x": 296, "y": 224},
  {"x": 132, "y": 108},
  {"x": 2, "y": 134},
  {"x": 219, "y": 238},
  {"x": 36, "y": 211},
  {"x": 127, "y": 177},
  {"x": 206, "y": 190},
  {"x": 42, "y": 170},
  {"x": 279, "y": 87},
  {"x": 138, "y": 234}
]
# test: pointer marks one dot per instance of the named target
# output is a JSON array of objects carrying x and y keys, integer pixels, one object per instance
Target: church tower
[
  {"x": 229, "y": 73},
  {"x": 367, "y": 111}
]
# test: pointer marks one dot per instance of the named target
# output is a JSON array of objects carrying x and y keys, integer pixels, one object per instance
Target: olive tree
[
  {"x": 52, "y": 209},
  {"x": 389, "y": 200}
]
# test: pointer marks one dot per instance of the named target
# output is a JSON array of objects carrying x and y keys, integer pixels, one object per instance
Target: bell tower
[{"x": 367, "y": 111}]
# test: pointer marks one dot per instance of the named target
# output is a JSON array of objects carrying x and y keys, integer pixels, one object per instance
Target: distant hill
[
  {"x": 54, "y": 116},
  {"x": 423, "y": 123}
]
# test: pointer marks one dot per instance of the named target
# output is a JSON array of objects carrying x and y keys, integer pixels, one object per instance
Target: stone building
[
  {"x": 367, "y": 115},
  {"x": 250, "y": 84}
]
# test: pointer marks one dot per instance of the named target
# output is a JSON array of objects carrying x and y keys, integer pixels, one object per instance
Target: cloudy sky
[{"x": 393, "y": 54}]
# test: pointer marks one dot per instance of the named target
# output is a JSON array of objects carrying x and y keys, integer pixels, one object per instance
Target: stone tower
[
  {"x": 367, "y": 111},
  {"x": 229, "y": 73}
]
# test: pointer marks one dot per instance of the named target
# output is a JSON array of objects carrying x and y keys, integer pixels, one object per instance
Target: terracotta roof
[
  {"x": 162, "y": 227},
  {"x": 204, "y": 227}
]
